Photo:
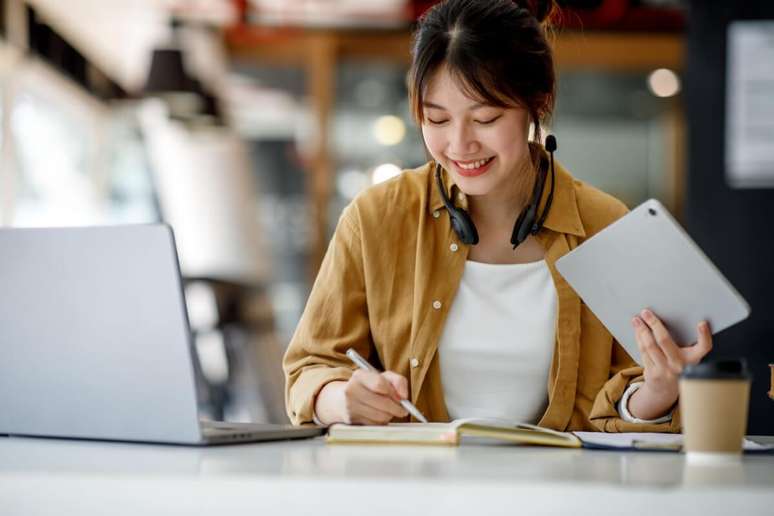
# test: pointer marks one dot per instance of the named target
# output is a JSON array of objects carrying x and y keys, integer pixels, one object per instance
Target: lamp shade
[{"x": 167, "y": 73}]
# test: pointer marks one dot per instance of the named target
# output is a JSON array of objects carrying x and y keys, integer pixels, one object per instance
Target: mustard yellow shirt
[{"x": 389, "y": 278}]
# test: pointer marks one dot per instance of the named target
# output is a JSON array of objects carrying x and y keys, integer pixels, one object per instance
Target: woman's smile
[{"x": 473, "y": 168}]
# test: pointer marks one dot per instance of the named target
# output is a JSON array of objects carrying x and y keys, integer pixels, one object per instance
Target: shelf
[{"x": 319, "y": 49}]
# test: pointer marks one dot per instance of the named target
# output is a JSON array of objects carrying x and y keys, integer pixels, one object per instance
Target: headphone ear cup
[{"x": 463, "y": 226}]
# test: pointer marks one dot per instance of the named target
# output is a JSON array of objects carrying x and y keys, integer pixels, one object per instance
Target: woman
[{"x": 428, "y": 277}]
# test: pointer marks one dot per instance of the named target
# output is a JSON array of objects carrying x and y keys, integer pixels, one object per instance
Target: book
[{"x": 450, "y": 434}]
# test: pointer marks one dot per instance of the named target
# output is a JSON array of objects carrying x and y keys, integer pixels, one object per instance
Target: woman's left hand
[{"x": 663, "y": 359}]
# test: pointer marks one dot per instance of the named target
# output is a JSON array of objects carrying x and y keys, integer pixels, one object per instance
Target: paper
[
  {"x": 750, "y": 104},
  {"x": 649, "y": 440}
]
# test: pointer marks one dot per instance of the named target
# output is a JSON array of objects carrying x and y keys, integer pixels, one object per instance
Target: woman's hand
[
  {"x": 367, "y": 398},
  {"x": 663, "y": 361}
]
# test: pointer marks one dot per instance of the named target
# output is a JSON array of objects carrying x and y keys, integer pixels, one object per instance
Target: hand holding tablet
[{"x": 645, "y": 260}]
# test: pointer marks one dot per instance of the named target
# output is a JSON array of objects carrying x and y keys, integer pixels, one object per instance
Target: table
[{"x": 64, "y": 477}]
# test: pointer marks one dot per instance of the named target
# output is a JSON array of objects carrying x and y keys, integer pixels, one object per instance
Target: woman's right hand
[{"x": 367, "y": 398}]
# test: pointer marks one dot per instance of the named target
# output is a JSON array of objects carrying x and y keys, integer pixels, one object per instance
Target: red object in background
[
  {"x": 605, "y": 14},
  {"x": 418, "y": 7},
  {"x": 241, "y": 6}
]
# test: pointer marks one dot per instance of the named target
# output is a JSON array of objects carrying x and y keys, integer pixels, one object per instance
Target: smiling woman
[{"x": 476, "y": 327}]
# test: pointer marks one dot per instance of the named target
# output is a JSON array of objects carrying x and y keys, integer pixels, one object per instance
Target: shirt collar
[{"x": 563, "y": 217}]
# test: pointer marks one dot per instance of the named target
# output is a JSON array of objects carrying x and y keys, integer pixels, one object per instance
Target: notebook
[{"x": 450, "y": 434}]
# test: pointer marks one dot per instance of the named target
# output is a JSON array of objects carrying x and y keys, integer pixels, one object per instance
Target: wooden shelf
[{"x": 319, "y": 50}]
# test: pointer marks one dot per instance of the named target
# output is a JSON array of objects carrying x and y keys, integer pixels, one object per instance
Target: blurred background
[{"x": 249, "y": 124}]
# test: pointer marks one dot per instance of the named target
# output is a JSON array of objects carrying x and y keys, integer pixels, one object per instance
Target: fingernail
[
  {"x": 636, "y": 322},
  {"x": 647, "y": 314}
]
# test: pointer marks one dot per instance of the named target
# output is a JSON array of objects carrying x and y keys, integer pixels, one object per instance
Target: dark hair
[{"x": 498, "y": 50}]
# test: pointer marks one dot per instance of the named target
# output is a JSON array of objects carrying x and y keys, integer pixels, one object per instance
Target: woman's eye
[
  {"x": 490, "y": 121},
  {"x": 436, "y": 122}
]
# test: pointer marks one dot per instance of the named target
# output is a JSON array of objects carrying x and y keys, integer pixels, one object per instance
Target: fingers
[
  {"x": 665, "y": 342},
  {"x": 398, "y": 382},
  {"x": 694, "y": 354},
  {"x": 379, "y": 402},
  {"x": 371, "y": 399},
  {"x": 367, "y": 415},
  {"x": 376, "y": 382},
  {"x": 649, "y": 349}
]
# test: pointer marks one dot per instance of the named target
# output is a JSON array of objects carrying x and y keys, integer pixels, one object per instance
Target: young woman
[{"x": 444, "y": 276}]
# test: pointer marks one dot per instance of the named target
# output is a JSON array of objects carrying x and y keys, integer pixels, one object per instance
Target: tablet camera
[{"x": 652, "y": 211}]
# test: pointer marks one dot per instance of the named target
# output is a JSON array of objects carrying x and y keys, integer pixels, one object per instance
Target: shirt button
[
  {"x": 436, "y": 214},
  {"x": 454, "y": 248},
  {"x": 437, "y": 304},
  {"x": 414, "y": 363}
]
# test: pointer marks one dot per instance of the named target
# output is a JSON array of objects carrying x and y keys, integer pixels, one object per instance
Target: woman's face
[{"x": 483, "y": 146}]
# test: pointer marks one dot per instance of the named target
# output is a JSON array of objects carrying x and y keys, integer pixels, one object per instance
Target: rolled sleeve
[
  {"x": 334, "y": 320},
  {"x": 623, "y": 407}
]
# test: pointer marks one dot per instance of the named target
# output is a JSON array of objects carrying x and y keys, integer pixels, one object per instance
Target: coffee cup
[
  {"x": 771, "y": 390},
  {"x": 714, "y": 399}
]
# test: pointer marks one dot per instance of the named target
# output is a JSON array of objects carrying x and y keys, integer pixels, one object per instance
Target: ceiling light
[
  {"x": 389, "y": 130},
  {"x": 384, "y": 172},
  {"x": 664, "y": 83}
]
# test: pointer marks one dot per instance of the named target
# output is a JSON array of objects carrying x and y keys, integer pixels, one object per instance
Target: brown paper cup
[{"x": 713, "y": 408}]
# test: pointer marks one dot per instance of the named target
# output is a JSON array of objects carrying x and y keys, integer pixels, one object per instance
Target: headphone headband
[{"x": 526, "y": 223}]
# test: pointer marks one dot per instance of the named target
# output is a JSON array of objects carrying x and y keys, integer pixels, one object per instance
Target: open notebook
[{"x": 451, "y": 434}]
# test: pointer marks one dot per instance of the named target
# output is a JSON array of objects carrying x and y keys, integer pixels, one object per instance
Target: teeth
[{"x": 474, "y": 165}]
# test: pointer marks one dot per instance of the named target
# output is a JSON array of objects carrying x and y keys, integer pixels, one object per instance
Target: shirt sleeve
[
  {"x": 623, "y": 407},
  {"x": 605, "y": 414},
  {"x": 334, "y": 320}
]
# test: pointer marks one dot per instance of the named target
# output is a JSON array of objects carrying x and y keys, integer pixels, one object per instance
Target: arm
[{"x": 318, "y": 374}]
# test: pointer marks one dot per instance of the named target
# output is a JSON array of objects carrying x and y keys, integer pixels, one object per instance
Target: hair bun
[{"x": 540, "y": 9}]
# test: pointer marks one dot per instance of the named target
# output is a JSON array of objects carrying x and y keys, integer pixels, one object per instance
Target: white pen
[{"x": 363, "y": 364}]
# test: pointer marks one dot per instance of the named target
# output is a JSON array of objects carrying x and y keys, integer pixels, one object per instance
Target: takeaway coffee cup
[{"x": 714, "y": 397}]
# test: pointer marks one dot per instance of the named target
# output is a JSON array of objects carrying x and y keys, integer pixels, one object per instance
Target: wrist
[
  {"x": 329, "y": 405},
  {"x": 662, "y": 392},
  {"x": 652, "y": 402}
]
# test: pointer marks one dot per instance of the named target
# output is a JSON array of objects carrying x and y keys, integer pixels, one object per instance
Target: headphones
[{"x": 525, "y": 225}]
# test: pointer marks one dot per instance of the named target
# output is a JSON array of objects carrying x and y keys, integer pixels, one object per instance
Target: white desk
[{"x": 58, "y": 477}]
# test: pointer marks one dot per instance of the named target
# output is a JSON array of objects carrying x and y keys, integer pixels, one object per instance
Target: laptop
[
  {"x": 646, "y": 260},
  {"x": 95, "y": 341}
]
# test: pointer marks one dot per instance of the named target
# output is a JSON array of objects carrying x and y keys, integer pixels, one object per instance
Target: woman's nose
[{"x": 462, "y": 141}]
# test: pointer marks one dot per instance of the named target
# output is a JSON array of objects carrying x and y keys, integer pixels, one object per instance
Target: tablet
[{"x": 646, "y": 260}]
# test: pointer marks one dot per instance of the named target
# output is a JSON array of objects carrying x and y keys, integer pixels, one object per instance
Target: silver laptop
[
  {"x": 95, "y": 342},
  {"x": 646, "y": 260}
]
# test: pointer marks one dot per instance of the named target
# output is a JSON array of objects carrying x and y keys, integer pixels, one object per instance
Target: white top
[{"x": 498, "y": 341}]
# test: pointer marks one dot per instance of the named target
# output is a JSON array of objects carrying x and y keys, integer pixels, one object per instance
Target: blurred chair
[{"x": 208, "y": 195}]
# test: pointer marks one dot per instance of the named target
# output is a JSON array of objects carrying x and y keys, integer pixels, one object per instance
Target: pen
[{"x": 363, "y": 364}]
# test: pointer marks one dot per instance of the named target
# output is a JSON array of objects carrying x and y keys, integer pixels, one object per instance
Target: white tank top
[{"x": 496, "y": 347}]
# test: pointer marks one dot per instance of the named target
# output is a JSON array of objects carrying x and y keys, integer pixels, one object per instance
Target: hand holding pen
[{"x": 367, "y": 398}]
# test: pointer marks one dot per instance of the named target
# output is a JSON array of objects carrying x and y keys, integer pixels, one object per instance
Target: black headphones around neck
[{"x": 525, "y": 225}]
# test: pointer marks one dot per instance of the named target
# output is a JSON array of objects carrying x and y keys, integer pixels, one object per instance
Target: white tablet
[{"x": 646, "y": 260}]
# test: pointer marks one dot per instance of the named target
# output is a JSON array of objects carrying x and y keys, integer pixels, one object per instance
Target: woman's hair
[{"x": 497, "y": 49}]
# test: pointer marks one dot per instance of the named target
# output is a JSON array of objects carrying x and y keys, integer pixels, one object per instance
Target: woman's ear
[{"x": 533, "y": 133}]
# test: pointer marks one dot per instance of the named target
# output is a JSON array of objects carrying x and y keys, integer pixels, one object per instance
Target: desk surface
[{"x": 48, "y": 476}]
